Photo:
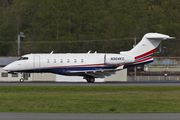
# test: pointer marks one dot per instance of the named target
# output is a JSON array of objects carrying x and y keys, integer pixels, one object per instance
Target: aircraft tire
[
  {"x": 21, "y": 80},
  {"x": 88, "y": 80},
  {"x": 91, "y": 80}
]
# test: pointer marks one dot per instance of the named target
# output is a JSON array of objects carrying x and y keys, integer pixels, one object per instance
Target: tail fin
[{"x": 143, "y": 51}]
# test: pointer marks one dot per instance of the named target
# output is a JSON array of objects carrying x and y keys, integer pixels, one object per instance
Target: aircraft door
[{"x": 36, "y": 62}]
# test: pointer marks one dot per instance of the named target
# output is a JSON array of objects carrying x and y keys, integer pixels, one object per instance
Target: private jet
[{"x": 88, "y": 65}]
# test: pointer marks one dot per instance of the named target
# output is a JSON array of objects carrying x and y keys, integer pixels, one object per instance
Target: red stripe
[
  {"x": 145, "y": 54},
  {"x": 144, "y": 59}
]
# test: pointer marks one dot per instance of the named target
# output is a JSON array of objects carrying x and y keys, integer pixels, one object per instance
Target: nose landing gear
[{"x": 21, "y": 79}]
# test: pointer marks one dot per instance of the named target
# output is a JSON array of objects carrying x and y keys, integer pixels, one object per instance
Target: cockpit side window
[
  {"x": 20, "y": 58},
  {"x": 23, "y": 58}
]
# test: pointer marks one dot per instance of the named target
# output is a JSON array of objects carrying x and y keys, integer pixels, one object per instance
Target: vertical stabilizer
[{"x": 143, "y": 51}]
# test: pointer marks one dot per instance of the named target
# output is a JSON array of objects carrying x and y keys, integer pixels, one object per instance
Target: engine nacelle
[{"x": 116, "y": 59}]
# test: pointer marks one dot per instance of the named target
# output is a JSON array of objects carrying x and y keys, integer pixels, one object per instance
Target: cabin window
[
  {"x": 61, "y": 60},
  {"x": 75, "y": 61},
  {"x": 82, "y": 60},
  {"x": 67, "y": 60},
  {"x": 47, "y": 60},
  {"x": 4, "y": 74},
  {"x": 15, "y": 75},
  {"x": 54, "y": 60}
]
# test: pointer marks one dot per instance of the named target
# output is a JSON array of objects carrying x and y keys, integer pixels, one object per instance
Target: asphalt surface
[
  {"x": 91, "y": 116},
  {"x": 154, "y": 83}
]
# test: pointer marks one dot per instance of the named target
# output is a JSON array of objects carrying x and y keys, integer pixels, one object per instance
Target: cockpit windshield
[{"x": 23, "y": 58}]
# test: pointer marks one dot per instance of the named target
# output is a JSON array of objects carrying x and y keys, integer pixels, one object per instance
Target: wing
[
  {"x": 97, "y": 73},
  {"x": 94, "y": 73}
]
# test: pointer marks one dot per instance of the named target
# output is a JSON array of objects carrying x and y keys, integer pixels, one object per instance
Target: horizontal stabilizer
[
  {"x": 157, "y": 36},
  {"x": 160, "y": 38}
]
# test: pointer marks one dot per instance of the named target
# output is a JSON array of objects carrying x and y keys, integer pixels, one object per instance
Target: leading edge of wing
[{"x": 89, "y": 71}]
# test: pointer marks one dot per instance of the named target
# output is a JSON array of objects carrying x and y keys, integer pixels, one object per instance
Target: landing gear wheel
[
  {"x": 90, "y": 80},
  {"x": 21, "y": 80}
]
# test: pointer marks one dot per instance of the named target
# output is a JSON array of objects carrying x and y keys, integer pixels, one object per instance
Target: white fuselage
[{"x": 68, "y": 64}]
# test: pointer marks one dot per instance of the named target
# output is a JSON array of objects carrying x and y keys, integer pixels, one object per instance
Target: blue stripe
[
  {"x": 133, "y": 65},
  {"x": 143, "y": 57}
]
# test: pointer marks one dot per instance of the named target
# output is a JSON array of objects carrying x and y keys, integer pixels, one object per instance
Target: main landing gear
[{"x": 89, "y": 79}]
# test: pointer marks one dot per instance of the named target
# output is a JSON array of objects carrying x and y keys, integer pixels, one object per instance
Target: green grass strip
[{"x": 96, "y": 99}]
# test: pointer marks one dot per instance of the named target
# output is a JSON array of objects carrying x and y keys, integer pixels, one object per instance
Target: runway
[
  {"x": 90, "y": 116},
  {"x": 154, "y": 83}
]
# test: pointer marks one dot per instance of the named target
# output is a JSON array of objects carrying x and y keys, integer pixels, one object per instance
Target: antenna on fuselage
[{"x": 52, "y": 52}]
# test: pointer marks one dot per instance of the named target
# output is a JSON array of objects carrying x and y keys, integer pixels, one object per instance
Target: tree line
[{"x": 108, "y": 26}]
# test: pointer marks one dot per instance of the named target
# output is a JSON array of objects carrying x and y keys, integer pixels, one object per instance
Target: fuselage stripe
[
  {"x": 149, "y": 58},
  {"x": 145, "y": 54},
  {"x": 143, "y": 57}
]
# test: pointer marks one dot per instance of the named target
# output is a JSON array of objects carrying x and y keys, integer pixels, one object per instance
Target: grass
[{"x": 88, "y": 99}]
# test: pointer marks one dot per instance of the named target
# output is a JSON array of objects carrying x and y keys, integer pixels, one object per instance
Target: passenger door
[{"x": 37, "y": 62}]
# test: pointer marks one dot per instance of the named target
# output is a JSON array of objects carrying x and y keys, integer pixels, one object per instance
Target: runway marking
[{"x": 92, "y": 118}]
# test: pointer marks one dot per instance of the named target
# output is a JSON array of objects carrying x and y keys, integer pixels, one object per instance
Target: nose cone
[
  {"x": 6, "y": 68},
  {"x": 11, "y": 67}
]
